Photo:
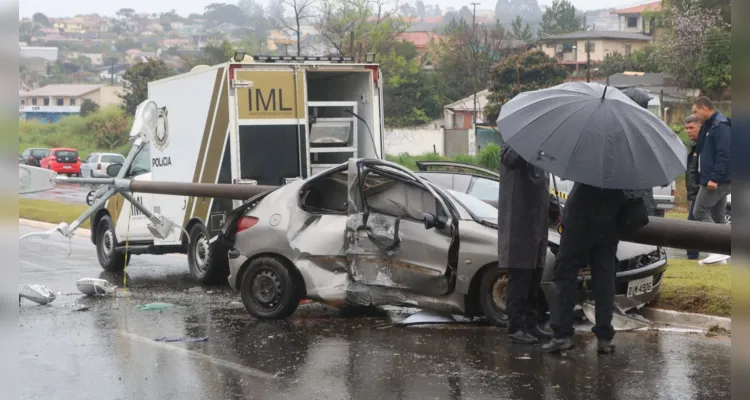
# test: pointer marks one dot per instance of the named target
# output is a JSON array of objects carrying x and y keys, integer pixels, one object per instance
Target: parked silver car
[
  {"x": 370, "y": 233},
  {"x": 95, "y": 165},
  {"x": 663, "y": 195}
]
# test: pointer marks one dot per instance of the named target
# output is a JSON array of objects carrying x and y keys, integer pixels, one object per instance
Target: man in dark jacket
[
  {"x": 692, "y": 178},
  {"x": 523, "y": 222},
  {"x": 590, "y": 235},
  {"x": 713, "y": 163}
]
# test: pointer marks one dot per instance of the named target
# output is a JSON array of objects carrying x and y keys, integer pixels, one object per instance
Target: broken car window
[
  {"x": 326, "y": 194},
  {"x": 396, "y": 198}
]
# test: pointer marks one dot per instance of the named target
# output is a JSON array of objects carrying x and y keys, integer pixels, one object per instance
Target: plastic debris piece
[
  {"x": 426, "y": 317},
  {"x": 620, "y": 320},
  {"x": 196, "y": 289},
  {"x": 95, "y": 286},
  {"x": 182, "y": 339},
  {"x": 715, "y": 259},
  {"x": 154, "y": 306},
  {"x": 81, "y": 307},
  {"x": 39, "y": 294}
]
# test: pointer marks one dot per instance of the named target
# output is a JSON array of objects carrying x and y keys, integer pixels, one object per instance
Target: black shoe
[
  {"x": 558, "y": 345},
  {"x": 605, "y": 346},
  {"x": 522, "y": 337},
  {"x": 539, "y": 333}
]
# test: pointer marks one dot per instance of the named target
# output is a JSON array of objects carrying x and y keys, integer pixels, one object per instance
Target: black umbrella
[
  {"x": 639, "y": 96},
  {"x": 593, "y": 134}
]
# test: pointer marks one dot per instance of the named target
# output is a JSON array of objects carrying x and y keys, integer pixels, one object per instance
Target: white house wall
[{"x": 414, "y": 141}]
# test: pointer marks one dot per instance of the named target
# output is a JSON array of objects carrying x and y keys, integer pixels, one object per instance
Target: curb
[
  {"x": 701, "y": 321},
  {"x": 47, "y": 225}
]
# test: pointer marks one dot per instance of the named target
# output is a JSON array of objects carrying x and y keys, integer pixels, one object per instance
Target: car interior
[{"x": 383, "y": 194}]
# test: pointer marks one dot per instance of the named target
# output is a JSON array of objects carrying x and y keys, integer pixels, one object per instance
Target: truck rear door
[{"x": 271, "y": 127}]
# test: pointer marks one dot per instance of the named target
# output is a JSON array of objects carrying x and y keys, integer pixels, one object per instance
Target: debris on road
[
  {"x": 182, "y": 339},
  {"x": 39, "y": 294},
  {"x": 426, "y": 317},
  {"x": 196, "y": 289},
  {"x": 154, "y": 306},
  {"x": 95, "y": 286},
  {"x": 81, "y": 307},
  {"x": 620, "y": 320}
]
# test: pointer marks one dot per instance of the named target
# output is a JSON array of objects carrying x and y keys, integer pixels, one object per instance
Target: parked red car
[{"x": 63, "y": 161}]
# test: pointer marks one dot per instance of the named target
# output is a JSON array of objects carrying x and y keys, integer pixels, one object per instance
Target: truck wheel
[
  {"x": 269, "y": 290},
  {"x": 492, "y": 292},
  {"x": 106, "y": 241},
  {"x": 205, "y": 268}
]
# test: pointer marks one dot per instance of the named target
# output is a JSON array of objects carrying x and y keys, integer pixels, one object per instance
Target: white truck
[{"x": 261, "y": 120}]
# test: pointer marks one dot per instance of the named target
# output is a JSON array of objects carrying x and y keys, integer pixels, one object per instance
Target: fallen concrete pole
[
  {"x": 217, "y": 190},
  {"x": 683, "y": 234}
]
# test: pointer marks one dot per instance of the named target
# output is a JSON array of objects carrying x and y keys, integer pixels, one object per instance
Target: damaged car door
[{"x": 399, "y": 232}]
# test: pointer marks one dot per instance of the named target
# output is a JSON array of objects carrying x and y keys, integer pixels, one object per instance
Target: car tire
[
  {"x": 207, "y": 266},
  {"x": 492, "y": 296},
  {"x": 728, "y": 216},
  {"x": 106, "y": 242},
  {"x": 270, "y": 289}
]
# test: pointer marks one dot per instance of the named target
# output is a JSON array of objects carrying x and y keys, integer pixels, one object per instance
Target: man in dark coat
[
  {"x": 590, "y": 235},
  {"x": 714, "y": 144},
  {"x": 692, "y": 177},
  {"x": 523, "y": 223}
]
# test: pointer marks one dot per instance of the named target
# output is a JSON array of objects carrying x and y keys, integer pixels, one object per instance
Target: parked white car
[{"x": 95, "y": 165}]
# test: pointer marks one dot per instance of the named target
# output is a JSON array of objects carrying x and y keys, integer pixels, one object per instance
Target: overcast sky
[{"x": 61, "y": 8}]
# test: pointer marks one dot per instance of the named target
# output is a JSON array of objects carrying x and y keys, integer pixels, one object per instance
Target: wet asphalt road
[
  {"x": 64, "y": 193},
  {"x": 108, "y": 351}
]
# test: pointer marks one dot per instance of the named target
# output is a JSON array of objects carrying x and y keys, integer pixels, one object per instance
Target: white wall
[{"x": 414, "y": 141}]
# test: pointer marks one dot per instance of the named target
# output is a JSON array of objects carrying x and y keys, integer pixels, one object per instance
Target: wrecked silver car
[{"x": 369, "y": 233}]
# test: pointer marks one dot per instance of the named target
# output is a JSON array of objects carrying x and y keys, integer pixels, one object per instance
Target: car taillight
[
  {"x": 99, "y": 166},
  {"x": 673, "y": 189},
  {"x": 245, "y": 223}
]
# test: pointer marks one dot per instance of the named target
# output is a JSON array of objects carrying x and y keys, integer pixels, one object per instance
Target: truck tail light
[{"x": 245, "y": 223}]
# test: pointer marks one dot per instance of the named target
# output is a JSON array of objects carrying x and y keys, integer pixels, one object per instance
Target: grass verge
[
  {"x": 690, "y": 287},
  {"x": 51, "y": 211}
]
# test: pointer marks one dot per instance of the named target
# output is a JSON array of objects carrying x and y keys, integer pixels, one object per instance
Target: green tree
[
  {"x": 532, "y": 70},
  {"x": 88, "y": 107},
  {"x": 640, "y": 60},
  {"x": 561, "y": 17},
  {"x": 109, "y": 127},
  {"x": 41, "y": 19},
  {"x": 521, "y": 31},
  {"x": 342, "y": 18},
  {"x": 715, "y": 63},
  {"x": 137, "y": 78}
]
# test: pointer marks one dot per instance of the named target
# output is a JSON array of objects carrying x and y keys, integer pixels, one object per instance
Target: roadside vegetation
[
  {"x": 101, "y": 130},
  {"x": 691, "y": 287},
  {"x": 51, "y": 211}
]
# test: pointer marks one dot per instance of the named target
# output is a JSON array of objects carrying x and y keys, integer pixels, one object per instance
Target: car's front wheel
[
  {"x": 270, "y": 289},
  {"x": 106, "y": 242},
  {"x": 492, "y": 296}
]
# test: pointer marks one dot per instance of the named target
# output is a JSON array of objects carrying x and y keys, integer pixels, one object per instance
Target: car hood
[{"x": 625, "y": 250}]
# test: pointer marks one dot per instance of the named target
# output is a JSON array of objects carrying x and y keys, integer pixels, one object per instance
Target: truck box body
[{"x": 262, "y": 123}]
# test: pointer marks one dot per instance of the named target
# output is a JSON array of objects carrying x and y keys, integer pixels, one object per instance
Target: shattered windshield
[{"x": 477, "y": 208}]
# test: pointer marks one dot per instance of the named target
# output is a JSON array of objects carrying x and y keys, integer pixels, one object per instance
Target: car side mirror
[
  {"x": 114, "y": 169},
  {"x": 432, "y": 221}
]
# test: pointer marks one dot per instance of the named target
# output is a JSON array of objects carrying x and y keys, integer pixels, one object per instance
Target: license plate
[
  {"x": 67, "y": 166},
  {"x": 640, "y": 286}
]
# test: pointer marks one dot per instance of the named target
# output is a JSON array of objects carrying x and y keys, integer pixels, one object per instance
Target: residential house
[
  {"x": 665, "y": 93},
  {"x": 422, "y": 40},
  {"x": 191, "y": 29},
  {"x": 571, "y": 48},
  {"x": 168, "y": 43},
  {"x": 460, "y": 115},
  {"x": 134, "y": 56},
  {"x": 486, "y": 14},
  {"x": 177, "y": 25},
  {"x": 632, "y": 19},
  {"x": 95, "y": 23},
  {"x": 280, "y": 40},
  {"x": 52, "y": 102},
  {"x": 35, "y": 59},
  {"x": 72, "y": 25}
]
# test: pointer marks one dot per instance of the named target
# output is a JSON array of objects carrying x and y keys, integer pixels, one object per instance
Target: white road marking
[{"x": 199, "y": 356}]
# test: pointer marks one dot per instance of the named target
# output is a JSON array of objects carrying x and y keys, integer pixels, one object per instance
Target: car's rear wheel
[
  {"x": 492, "y": 295},
  {"x": 728, "y": 216},
  {"x": 106, "y": 242},
  {"x": 205, "y": 267},
  {"x": 270, "y": 289}
]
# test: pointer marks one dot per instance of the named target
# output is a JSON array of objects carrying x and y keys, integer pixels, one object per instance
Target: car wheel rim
[
  {"x": 728, "y": 219},
  {"x": 201, "y": 253},
  {"x": 266, "y": 289},
  {"x": 107, "y": 244},
  {"x": 499, "y": 289}
]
